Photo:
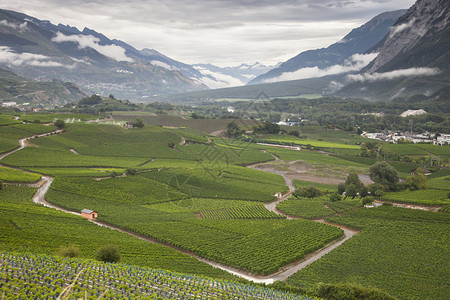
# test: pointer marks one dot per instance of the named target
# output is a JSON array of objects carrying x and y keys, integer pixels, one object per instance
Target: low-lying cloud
[
  {"x": 112, "y": 51},
  {"x": 9, "y": 57},
  {"x": 401, "y": 27},
  {"x": 21, "y": 27},
  {"x": 393, "y": 74},
  {"x": 354, "y": 63}
]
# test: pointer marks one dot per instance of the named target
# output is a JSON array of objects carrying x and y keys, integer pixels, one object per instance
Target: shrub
[
  {"x": 108, "y": 253},
  {"x": 60, "y": 124},
  {"x": 341, "y": 291},
  {"x": 131, "y": 171},
  {"x": 307, "y": 192},
  {"x": 334, "y": 197},
  {"x": 69, "y": 251}
]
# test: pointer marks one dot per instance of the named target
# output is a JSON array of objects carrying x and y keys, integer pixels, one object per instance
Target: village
[{"x": 440, "y": 139}]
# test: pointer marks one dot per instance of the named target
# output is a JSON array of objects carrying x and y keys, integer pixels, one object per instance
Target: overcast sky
[{"x": 220, "y": 32}]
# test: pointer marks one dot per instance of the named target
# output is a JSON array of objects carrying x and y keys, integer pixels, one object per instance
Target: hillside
[
  {"x": 18, "y": 89},
  {"x": 413, "y": 58},
  {"x": 359, "y": 40},
  {"x": 41, "y": 50}
]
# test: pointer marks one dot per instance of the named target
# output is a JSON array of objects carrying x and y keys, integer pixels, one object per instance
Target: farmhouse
[{"x": 89, "y": 214}]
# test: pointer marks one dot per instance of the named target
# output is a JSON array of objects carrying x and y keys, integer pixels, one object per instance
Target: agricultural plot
[
  {"x": 313, "y": 143},
  {"x": 323, "y": 187},
  {"x": 209, "y": 182},
  {"x": 78, "y": 172},
  {"x": 13, "y": 175},
  {"x": 47, "y": 118},
  {"x": 259, "y": 246},
  {"x": 10, "y": 135},
  {"x": 195, "y": 205},
  {"x": 8, "y": 120},
  {"x": 31, "y": 157},
  {"x": 402, "y": 251},
  {"x": 131, "y": 189},
  {"x": 246, "y": 212},
  {"x": 22, "y": 223},
  {"x": 343, "y": 206},
  {"x": 430, "y": 197},
  {"x": 305, "y": 207},
  {"x": 20, "y": 275},
  {"x": 441, "y": 183}
]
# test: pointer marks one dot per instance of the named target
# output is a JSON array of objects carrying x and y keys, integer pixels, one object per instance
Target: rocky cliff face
[{"x": 424, "y": 19}]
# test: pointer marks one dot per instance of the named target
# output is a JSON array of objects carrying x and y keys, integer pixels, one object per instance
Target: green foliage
[
  {"x": 384, "y": 174},
  {"x": 344, "y": 291},
  {"x": 139, "y": 123},
  {"x": 334, "y": 197},
  {"x": 267, "y": 127},
  {"x": 233, "y": 130},
  {"x": 108, "y": 253},
  {"x": 71, "y": 251},
  {"x": 14, "y": 175},
  {"x": 60, "y": 124},
  {"x": 307, "y": 192},
  {"x": 351, "y": 191},
  {"x": 422, "y": 197},
  {"x": 245, "y": 212},
  {"x": 91, "y": 100},
  {"x": 393, "y": 243},
  {"x": 131, "y": 171}
]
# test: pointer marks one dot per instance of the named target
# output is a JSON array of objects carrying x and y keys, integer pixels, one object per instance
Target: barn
[{"x": 89, "y": 214}]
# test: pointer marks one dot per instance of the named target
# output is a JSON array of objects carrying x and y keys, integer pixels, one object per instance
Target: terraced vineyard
[
  {"x": 13, "y": 175},
  {"x": 408, "y": 245},
  {"x": 246, "y": 212},
  {"x": 37, "y": 276},
  {"x": 305, "y": 207}
]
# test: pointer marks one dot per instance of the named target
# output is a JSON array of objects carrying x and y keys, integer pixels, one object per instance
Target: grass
[{"x": 313, "y": 143}]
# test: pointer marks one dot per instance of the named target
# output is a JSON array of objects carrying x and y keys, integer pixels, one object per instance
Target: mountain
[
  {"x": 17, "y": 89},
  {"x": 413, "y": 58},
  {"x": 41, "y": 50},
  {"x": 358, "y": 41},
  {"x": 230, "y": 76}
]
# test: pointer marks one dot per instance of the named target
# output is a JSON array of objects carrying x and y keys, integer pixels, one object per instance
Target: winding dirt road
[{"x": 282, "y": 274}]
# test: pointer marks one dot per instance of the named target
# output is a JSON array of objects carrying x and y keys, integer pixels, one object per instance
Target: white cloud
[
  {"x": 164, "y": 65},
  {"x": 222, "y": 33},
  {"x": 401, "y": 27},
  {"x": 21, "y": 27},
  {"x": 354, "y": 63},
  {"x": 7, "y": 56},
  {"x": 220, "y": 80},
  {"x": 394, "y": 74},
  {"x": 113, "y": 51}
]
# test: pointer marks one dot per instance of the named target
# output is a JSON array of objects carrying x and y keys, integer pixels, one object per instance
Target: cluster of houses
[{"x": 395, "y": 137}]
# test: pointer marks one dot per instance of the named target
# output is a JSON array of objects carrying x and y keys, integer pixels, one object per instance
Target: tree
[
  {"x": 307, "y": 192},
  {"x": 111, "y": 96},
  {"x": 351, "y": 191},
  {"x": 384, "y": 174},
  {"x": 139, "y": 123},
  {"x": 233, "y": 130},
  {"x": 60, "y": 124},
  {"x": 353, "y": 178},
  {"x": 108, "y": 253},
  {"x": 131, "y": 171}
]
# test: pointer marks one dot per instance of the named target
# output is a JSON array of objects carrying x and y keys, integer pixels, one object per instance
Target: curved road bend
[{"x": 283, "y": 274}]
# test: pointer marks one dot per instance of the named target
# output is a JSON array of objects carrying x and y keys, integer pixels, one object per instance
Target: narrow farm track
[{"x": 283, "y": 274}]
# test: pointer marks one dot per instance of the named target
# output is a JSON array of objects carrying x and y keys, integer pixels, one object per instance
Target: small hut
[{"x": 89, "y": 214}]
